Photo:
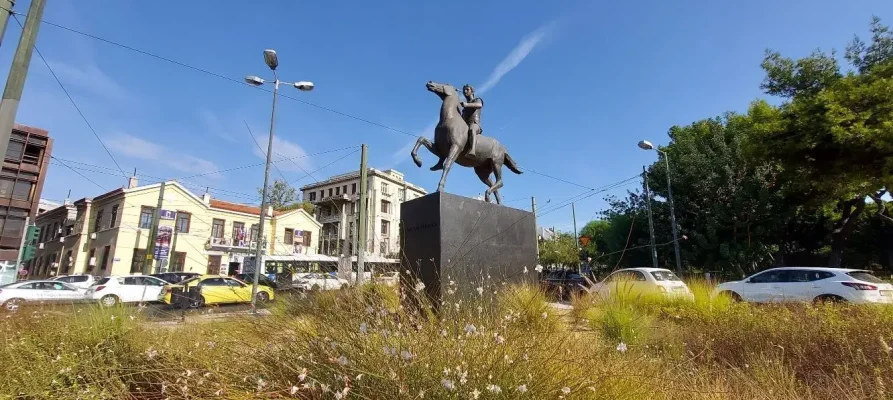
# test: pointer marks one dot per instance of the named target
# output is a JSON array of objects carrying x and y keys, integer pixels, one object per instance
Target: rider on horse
[{"x": 471, "y": 113}]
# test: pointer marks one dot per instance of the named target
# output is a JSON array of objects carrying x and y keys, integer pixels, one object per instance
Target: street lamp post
[
  {"x": 646, "y": 145},
  {"x": 272, "y": 61}
]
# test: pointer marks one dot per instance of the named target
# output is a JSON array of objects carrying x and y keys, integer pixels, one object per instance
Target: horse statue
[{"x": 450, "y": 139}]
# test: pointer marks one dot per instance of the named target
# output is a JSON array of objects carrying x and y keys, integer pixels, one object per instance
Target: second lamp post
[
  {"x": 272, "y": 62},
  {"x": 646, "y": 145}
]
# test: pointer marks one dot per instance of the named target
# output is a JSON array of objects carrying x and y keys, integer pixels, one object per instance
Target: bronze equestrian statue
[{"x": 456, "y": 139}]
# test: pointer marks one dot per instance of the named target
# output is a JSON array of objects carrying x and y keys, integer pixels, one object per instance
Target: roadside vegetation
[{"x": 507, "y": 343}]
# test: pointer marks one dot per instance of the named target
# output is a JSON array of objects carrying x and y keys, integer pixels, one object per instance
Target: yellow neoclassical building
[{"x": 109, "y": 234}]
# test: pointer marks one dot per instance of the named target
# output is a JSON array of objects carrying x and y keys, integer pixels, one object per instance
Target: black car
[
  {"x": 562, "y": 284},
  {"x": 175, "y": 277},
  {"x": 262, "y": 279}
]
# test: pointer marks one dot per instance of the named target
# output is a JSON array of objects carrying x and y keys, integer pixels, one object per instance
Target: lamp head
[
  {"x": 646, "y": 145},
  {"x": 271, "y": 59},
  {"x": 304, "y": 86},
  {"x": 254, "y": 80}
]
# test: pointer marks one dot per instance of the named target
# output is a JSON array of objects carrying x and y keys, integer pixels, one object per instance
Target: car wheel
[
  {"x": 732, "y": 295},
  {"x": 198, "y": 303},
  {"x": 262, "y": 297},
  {"x": 108, "y": 300},
  {"x": 12, "y": 304},
  {"x": 829, "y": 299}
]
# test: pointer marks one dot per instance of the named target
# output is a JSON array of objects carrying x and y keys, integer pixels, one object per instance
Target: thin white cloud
[
  {"x": 516, "y": 56},
  {"x": 215, "y": 126},
  {"x": 133, "y": 147},
  {"x": 89, "y": 77},
  {"x": 288, "y": 156}
]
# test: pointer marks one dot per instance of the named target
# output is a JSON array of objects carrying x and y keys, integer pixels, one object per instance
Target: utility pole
[
  {"x": 574, "y": 216},
  {"x": 15, "y": 83},
  {"x": 5, "y": 12},
  {"x": 650, "y": 220},
  {"x": 673, "y": 216},
  {"x": 153, "y": 233},
  {"x": 361, "y": 233}
]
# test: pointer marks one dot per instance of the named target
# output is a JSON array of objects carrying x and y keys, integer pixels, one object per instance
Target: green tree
[
  {"x": 281, "y": 194},
  {"x": 833, "y": 134},
  {"x": 594, "y": 230},
  {"x": 560, "y": 251}
]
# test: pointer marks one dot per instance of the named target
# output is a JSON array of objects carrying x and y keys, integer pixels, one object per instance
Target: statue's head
[
  {"x": 468, "y": 91},
  {"x": 441, "y": 89}
]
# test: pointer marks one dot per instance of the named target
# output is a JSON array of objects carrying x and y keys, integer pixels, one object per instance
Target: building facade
[
  {"x": 109, "y": 234},
  {"x": 21, "y": 182},
  {"x": 337, "y": 207}
]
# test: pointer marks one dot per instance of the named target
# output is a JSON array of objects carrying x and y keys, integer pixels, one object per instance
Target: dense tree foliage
[
  {"x": 799, "y": 183},
  {"x": 560, "y": 251}
]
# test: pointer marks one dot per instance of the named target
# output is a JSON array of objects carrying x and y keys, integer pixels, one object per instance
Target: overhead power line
[{"x": 81, "y": 113}]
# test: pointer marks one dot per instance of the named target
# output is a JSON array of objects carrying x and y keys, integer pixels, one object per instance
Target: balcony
[
  {"x": 337, "y": 199},
  {"x": 230, "y": 243},
  {"x": 329, "y": 218}
]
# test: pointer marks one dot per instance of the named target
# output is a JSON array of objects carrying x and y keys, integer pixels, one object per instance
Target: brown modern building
[{"x": 21, "y": 182}]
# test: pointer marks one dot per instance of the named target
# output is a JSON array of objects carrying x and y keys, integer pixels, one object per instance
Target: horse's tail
[{"x": 509, "y": 162}]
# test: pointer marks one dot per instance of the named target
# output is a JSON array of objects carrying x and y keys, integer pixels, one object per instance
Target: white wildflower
[
  {"x": 113, "y": 317},
  {"x": 525, "y": 269},
  {"x": 443, "y": 332},
  {"x": 392, "y": 374},
  {"x": 261, "y": 383},
  {"x": 363, "y": 328},
  {"x": 293, "y": 390},
  {"x": 521, "y": 389},
  {"x": 494, "y": 388},
  {"x": 324, "y": 387},
  {"x": 421, "y": 394},
  {"x": 419, "y": 287},
  {"x": 358, "y": 377},
  {"x": 406, "y": 355},
  {"x": 218, "y": 393},
  {"x": 451, "y": 291},
  {"x": 566, "y": 390},
  {"x": 302, "y": 375},
  {"x": 370, "y": 310},
  {"x": 621, "y": 347},
  {"x": 545, "y": 315},
  {"x": 470, "y": 329},
  {"x": 448, "y": 384},
  {"x": 475, "y": 394},
  {"x": 539, "y": 268},
  {"x": 151, "y": 353},
  {"x": 499, "y": 338},
  {"x": 132, "y": 318},
  {"x": 342, "y": 360},
  {"x": 480, "y": 290}
]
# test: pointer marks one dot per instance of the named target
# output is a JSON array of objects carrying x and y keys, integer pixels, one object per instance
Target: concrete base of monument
[{"x": 457, "y": 244}]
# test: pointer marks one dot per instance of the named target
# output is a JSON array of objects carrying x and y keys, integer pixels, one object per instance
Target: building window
[
  {"x": 33, "y": 152},
  {"x": 289, "y": 236},
  {"x": 12, "y": 221},
  {"x": 183, "y": 221},
  {"x": 401, "y": 194},
  {"x": 353, "y": 208},
  {"x": 146, "y": 217},
  {"x": 344, "y": 189},
  {"x": 97, "y": 225},
  {"x": 66, "y": 263},
  {"x": 385, "y": 227},
  {"x": 353, "y": 188},
  {"x": 91, "y": 259},
  {"x": 383, "y": 247},
  {"x": 238, "y": 233},
  {"x": 105, "y": 257},
  {"x": 213, "y": 265},
  {"x": 386, "y": 206},
  {"x": 114, "y": 216},
  {"x": 337, "y": 191},
  {"x": 55, "y": 232},
  {"x": 15, "y": 148},
  {"x": 312, "y": 196},
  {"x": 253, "y": 232},
  {"x": 217, "y": 228},
  {"x": 384, "y": 188},
  {"x": 136, "y": 264},
  {"x": 322, "y": 194},
  {"x": 178, "y": 261},
  {"x": 306, "y": 237},
  {"x": 330, "y": 192}
]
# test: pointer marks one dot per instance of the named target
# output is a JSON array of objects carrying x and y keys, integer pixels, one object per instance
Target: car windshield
[
  {"x": 661, "y": 276},
  {"x": 865, "y": 276}
]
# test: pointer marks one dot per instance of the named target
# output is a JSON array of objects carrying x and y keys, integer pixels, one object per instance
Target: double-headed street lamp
[
  {"x": 646, "y": 145},
  {"x": 306, "y": 86}
]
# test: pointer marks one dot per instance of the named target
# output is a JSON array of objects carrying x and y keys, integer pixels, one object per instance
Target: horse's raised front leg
[
  {"x": 447, "y": 163},
  {"x": 415, "y": 150}
]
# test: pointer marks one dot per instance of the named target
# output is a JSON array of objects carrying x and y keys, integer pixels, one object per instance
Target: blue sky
[{"x": 572, "y": 86}]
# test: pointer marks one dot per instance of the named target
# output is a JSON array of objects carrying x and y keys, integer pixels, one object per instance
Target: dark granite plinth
[{"x": 446, "y": 238}]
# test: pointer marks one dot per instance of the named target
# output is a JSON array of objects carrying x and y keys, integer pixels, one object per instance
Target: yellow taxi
[{"x": 217, "y": 289}]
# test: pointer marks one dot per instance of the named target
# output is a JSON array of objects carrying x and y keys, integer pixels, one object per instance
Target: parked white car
[
  {"x": 798, "y": 284},
  {"x": 643, "y": 281},
  {"x": 316, "y": 281},
  {"x": 112, "y": 290},
  {"x": 15, "y": 294},
  {"x": 81, "y": 281}
]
